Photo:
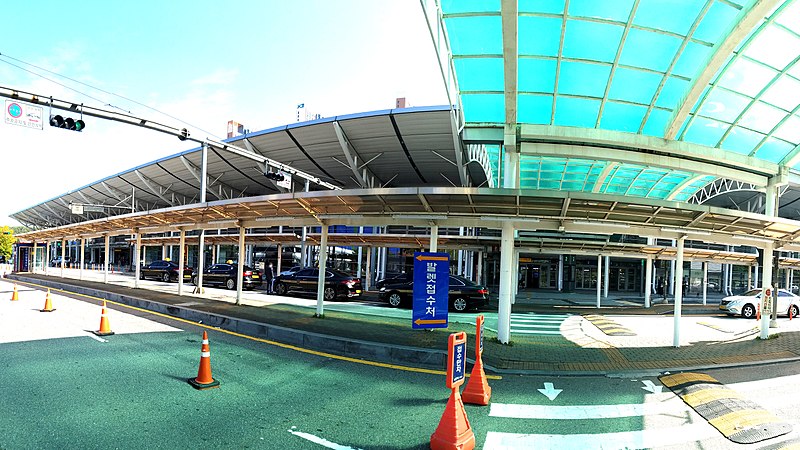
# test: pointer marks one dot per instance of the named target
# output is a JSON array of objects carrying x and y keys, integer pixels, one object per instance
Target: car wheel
[
  {"x": 748, "y": 311},
  {"x": 794, "y": 311},
  {"x": 165, "y": 278},
  {"x": 395, "y": 299},
  {"x": 329, "y": 294},
  {"x": 460, "y": 304},
  {"x": 194, "y": 281},
  {"x": 141, "y": 276},
  {"x": 230, "y": 283},
  {"x": 280, "y": 289}
]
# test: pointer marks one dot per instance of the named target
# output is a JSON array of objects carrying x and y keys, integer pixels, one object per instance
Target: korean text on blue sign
[
  {"x": 457, "y": 359},
  {"x": 431, "y": 290}
]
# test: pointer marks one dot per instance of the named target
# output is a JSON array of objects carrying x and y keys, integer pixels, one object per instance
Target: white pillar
[
  {"x": 323, "y": 257},
  {"x": 163, "y": 251},
  {"x": 515, "y": 280},
  {"x": 786, "y": 283},
  {"x": 648, "y": 276},
  {"x": 181, "y": 259},
  {"x": 676, "y": 335},
  {"x": 606, "y": 277},
  {"x": 750, "y": 277},
  {"x": 460, "y": 270},
  {"x": 560, "y": 282},
  {"x": 280, "y": 260},
  {"x": 63, "y": 254},
  {"x": 240, "y": 266},
  {"x": 507, "y": 280},
  {"x": 201, "y": 250},
  {"x": 767, "y": 282},
  {"x": 705, "y": 280},
  {"x": 755, "y": 278},
  {"x": 434, "y": 245},
  {"x": 671, "y": 280},
  {"x": 479, "y": 277},
  {"x": 510, "y": 163},
  {"x": 106, "y": 262},
  {"x": 136, "y": 255},
  {"x": 81, "y": 256},
  {"x": 599, "y": 277},
  {"x": 367, "y": 280}
]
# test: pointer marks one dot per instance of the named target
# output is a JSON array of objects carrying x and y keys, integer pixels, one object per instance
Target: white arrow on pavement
[
  {"x": 650, "y": 386},
  {"x": 549, "y": 391}
]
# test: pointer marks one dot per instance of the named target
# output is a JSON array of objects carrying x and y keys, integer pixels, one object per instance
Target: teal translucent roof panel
[
  {"x": 724, "y": 105},
  {"x": 635, "y": 86},
  {"x": 649, "y": 50},
  {"x": 774, "y": 46},
  {"x": 692, "y": 60},
  {"x": 716, "y": 21},
  {"x": 784, "y": 93},
  {"x": 762, "y": 117},
  {"x": 790, "y": 17},
  {"x": 541, "y": 6},
  {"x": 676, "y": 16},
  {"x": 789, "y": 130},
  {"x": 586, "y": 79},
  {"x": 692, "y": 189},
  {"x": 741, "y": 140},
  {"x": 484, "y": 108},
  {"x": 469, "y": 6},
  {"x": 475, "y": 35},
  {"x": 705, "y": 131},
  {"x": 747, "y": 77},
  {"x": 576, "y": 112},
  {"x": 539, "y": 36},
  {"x": 657, "y": 122},
  {"x": 622, "y": 117},
  {"x": 595, "y": 41},
  {"x": 774, "y": 150},
  {"x": 535, "y": 109},
  {"x": 536, "y": 75},
  {"x": 481, "y": 74},
  {"x": 672, "y": 92},
  {"x": 616, "y": 10}
]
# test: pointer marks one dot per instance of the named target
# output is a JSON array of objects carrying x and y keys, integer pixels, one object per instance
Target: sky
[{"x": 196, "y": 64}]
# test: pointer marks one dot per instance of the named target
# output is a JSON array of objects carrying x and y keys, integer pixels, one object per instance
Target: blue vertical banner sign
[
  {"x": 456, "y": 359},
  {"x": 431, "y": 288}
]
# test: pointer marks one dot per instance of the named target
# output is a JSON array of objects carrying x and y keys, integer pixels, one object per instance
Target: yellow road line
[
  {"x": 265, "y": 341},
  {"x": 686, "y": 377}
]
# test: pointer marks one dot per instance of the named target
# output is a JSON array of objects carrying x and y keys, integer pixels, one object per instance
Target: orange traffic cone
[
  {"x": 15, "y": 295},
  {"x": 105, "y": 328},
  {"x": 454, "y": 431},
  {"x": 204, "y": 379},
  {"x": 48, "y": 304},
  {"x": 477, "y": 391}
]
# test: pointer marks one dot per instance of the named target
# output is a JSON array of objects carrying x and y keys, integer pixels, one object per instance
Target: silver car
[{"x": 747, "y": 304}]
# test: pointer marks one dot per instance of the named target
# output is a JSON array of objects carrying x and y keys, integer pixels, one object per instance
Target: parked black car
[
  {"x": 338, "y": 284},
  {"x": 391, "y": 278},
  {"x": 292, "y": 270},
  {"x": 225, "y": 275},
  {"x": 165, "y": 271},
  {"x": 463, "y": 294}
]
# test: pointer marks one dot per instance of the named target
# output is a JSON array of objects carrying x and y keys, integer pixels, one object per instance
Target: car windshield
[{"x": 752, "y": 293}]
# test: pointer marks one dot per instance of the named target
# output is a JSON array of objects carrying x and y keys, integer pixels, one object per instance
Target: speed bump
[
  {"x": 792, "y": 444},
  {"x": 738, "y": 419},
  {"x": 607, "y": 326}
]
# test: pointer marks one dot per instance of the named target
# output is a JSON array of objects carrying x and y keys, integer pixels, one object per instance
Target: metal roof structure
[{"x": 709, "y": 81}]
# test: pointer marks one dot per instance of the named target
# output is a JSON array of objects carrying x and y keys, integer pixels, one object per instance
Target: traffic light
[
  {"x": 69, "y": 123},
  {"x": 276, "y": 176},
  {"x": 184, "y": 134}
]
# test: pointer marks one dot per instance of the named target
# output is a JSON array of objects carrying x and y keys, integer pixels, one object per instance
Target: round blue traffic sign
[{"x": 14, "y": 110}]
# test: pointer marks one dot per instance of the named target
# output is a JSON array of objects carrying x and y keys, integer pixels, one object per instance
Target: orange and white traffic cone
[
  {"x": 15, "y": 294},
  {"x": 204, "y": 379},
  {"x": 105, "y": 328},
  {"x": 48, "y": 304},
  {"x": 454, "y": 431},
  {"x": 477, "y": 391}
]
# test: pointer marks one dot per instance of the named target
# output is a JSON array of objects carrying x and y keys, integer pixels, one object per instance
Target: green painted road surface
[{"x": 63, "y": 388}]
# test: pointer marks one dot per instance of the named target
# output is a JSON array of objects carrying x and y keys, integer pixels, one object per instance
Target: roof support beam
[
  {"x": 603, "y": 175},
  {"x": 195, "y": 171},
  {"x": 365, "y": 178},
  {"x": 742, "y": 26},
  {"x": 155, "y": 188},
  {"x": 681, "y": 186}
]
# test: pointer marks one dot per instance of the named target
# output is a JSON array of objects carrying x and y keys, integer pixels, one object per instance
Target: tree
[{"x": 7, "y": 240}]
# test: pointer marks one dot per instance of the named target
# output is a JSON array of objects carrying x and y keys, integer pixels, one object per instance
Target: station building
[{"x": 635, "y": 146}]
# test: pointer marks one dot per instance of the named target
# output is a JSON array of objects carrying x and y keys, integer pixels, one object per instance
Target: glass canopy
[{"x": 629, "y": 66}]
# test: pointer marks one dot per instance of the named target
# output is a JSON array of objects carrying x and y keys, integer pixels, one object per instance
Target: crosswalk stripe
[
  {"x": 538, "y": 332},
  {"x": 674, "y": 406},
  {"x": 660, "y": 437},
  {"x": 536, "y": 325}
]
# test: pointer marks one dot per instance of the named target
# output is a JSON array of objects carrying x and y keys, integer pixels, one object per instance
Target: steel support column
[
  {"x": 434, "y": 245},
  {"x": 136, "y": 257},
  {"x": 599, "y": 277},
  {"x": 506, "y": 290},
  {"x": 181, "y": 259},
  {"x": 323, "y": 257},
  {"x": 106, "y": 259},
  {"x": 676, "y": 334},
  {"x": 648, "y": 276},
  {"x": 767, "y": 282},
  {"x": 240, "y": 266},
  {"x": 705, "y": 281}
]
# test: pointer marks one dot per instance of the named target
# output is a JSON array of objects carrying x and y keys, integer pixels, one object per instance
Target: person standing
[{"x": 269, "y": 274}]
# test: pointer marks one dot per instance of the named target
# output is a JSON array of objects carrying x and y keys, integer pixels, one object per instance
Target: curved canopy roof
[{"x": 716, "y": 74}]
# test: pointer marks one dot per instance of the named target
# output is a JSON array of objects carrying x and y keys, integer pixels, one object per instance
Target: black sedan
[
  {"x": 165, "y": 271},
  {"x": 225, "y": 275},
  {"x": 338, "y": 284},
  {"x": 464, "y": 294}
]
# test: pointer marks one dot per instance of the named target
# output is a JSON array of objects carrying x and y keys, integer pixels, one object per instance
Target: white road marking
[
  {"x": 318, "y": 440},
  {"x": 96, "y": 338},
  {"x": 673, "y": 406},
  {"x": 651, "y": 387},
  {"x": 660, "y": 437},
  {"x": 550, "y": 392}
]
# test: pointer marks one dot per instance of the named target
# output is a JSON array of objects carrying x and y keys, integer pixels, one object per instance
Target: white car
[{"x": 746, "y": 304}]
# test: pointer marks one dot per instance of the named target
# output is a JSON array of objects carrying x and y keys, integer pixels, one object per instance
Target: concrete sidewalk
[{"x": 582, "y": 344}]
